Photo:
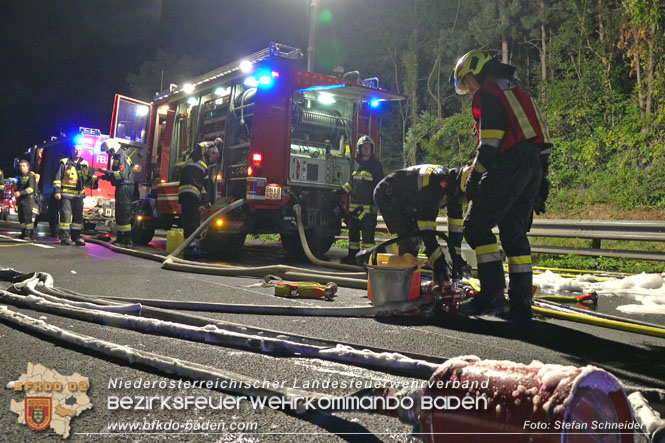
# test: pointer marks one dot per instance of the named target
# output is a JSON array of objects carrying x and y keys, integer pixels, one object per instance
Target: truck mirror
[{"x": 17, "y": 168}]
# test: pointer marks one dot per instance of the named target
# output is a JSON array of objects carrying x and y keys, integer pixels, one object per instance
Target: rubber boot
[
  {"x": 119, "y": 239},
  {"x": 520, "y": 291},
  {"x": 126, "y": 241},
  {"x": 64, "y": 238},
  {"x": 29, "y": 234},
  {"x": 491, "y": 299},
  {"x": 76, "y": 237},
  {"x": 22, "y": 236},
  {"x": 350, "y": 258}
]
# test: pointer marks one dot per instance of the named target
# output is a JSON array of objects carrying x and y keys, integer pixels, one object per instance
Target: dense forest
[{"x": 597, "y": 68}]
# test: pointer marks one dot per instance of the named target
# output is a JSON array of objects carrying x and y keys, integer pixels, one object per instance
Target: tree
[{"x": 155, "y": 75}]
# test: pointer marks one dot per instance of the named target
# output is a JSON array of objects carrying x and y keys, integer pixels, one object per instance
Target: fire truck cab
[{"x": 287, "y": 136}]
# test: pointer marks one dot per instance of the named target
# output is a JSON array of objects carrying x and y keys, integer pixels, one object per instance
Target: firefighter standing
[
  {"x": 120, "y": 176},
  {"x": 409, "y": 200},
  {"x": 26, "y": 189},
  {"x": 192, "y": 192},
  {"x": 72, "y": 175},
  {"x": 2, "y": 181},
  {"x": 367, "y": 173},
  {"x": 508, "y": 174}
]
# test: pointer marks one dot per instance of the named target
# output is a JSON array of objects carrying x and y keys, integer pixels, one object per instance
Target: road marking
[{"x": 18, "y": 240}]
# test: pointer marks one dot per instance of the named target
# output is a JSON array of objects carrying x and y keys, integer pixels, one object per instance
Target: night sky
[{"x": 63, "y": 60}]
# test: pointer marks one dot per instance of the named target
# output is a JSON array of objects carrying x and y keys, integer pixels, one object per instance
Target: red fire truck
[{"x": 288, "y": 137}]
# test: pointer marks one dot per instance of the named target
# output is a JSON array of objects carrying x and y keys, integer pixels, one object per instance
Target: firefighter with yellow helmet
[
  {"x": 367, "y": 173},
  {"x": 509, "y": 175},
  {"x": 409, "y": 200}
]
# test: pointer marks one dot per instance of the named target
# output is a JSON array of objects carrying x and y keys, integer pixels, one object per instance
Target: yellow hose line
[
  {"x": 602, "y": 322},
  {"x": 558, "y": 298}
]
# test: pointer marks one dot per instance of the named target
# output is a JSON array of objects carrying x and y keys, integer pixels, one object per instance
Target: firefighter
[
  {"x": 2, "y": 182},
  {"x": 72, "y": 175},
  {"x": 513, "y": 145},
  {"x": 409, "y": 200},
  {"x": 120, "y": 176},
  {"x": 367, "y": 173},
  {"x": 192, "y": 192},
  {"x": 26, "y": 189}
]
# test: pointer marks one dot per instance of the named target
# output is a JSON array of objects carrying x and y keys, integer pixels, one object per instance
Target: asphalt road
[{"x": 637, "y": 360}]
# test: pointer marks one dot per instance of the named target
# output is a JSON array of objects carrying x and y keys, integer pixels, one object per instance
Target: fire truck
[{"x": 288, "y": 136}]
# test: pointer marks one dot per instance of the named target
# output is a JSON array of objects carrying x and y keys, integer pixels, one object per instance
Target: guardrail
[{"x": 595, "y": 230}]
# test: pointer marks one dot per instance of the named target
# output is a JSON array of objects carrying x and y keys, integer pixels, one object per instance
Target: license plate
[{"x": 273, "y": 192}]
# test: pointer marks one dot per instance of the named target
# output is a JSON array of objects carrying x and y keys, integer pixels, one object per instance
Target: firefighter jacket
[
  {"x": 71, "y": 177},
  {"x": 507, "y": 115},
  {"x": 2, "y": 181},
  {"x": 121, "y": 169},
  {"x": 27, "y": 185},
  {"x": 193, "y": 180},
  {"x": 366, "y": 175},
  {"x": 433, "y": 187}
]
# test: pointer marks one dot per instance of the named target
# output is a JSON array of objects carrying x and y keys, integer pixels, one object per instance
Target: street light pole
[{"x": 312, "y": 35}]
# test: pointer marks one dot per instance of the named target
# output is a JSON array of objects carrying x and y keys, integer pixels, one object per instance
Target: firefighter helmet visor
[{"x": 470, "y": 63}]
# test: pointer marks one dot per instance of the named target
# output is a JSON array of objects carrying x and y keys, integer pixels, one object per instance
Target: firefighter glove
[
  {"x": 460, "y": 267},
  {"x": 473, "y": 185},
  {"x": 541, "y": 197}
]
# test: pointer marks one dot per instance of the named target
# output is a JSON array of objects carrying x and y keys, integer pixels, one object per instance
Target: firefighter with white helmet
[
  {"x": 367, "y": 173},
  {"x": 192, "y": 192},
  {"x": 120, "y": 176},
  {"x": 409, "y": 200},
  {"x": 513, "y": 145},
  {"x": 72, "y": 175}
]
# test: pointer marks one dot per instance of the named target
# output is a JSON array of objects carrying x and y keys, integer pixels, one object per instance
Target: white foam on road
[{"x": 646, "y": 289}]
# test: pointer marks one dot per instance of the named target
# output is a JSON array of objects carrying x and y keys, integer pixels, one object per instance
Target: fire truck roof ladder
[{"x": 274, "y": 50}]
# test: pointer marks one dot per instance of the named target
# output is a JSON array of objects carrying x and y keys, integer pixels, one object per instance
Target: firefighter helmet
[
  {"x": 110, "y": 146},
  {"x": 365, "y": 139},
  {"x": 472, "y": 62},
  {"x": 464, "y": 174}
]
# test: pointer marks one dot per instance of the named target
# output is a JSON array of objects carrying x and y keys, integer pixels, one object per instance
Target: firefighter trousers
[
  {"x": 26, "y": 208},
  {"x": 507, "y": 195},
  {"x": 123, "y": 206},
  {"x": 367, "y": 225},
  {"x": 191, "y": 218},
  {"x": 71, "y": 217}
]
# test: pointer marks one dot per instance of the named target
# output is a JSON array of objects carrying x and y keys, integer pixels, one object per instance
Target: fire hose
[{"x": 550, "y": 393}]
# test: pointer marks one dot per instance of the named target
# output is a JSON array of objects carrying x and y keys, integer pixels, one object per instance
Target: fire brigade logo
[{"x": 38, "y": 412}]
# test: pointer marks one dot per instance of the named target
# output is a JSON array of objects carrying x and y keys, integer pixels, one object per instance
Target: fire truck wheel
[
  {"x": 319, "y": 245},
  {"x": 220, "y": 245},
  {"x": 142, "y": 231}
]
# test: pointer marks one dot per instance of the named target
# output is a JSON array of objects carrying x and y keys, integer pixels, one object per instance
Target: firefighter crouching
[
  {"x": 72, "y": 175},
  {"x": 508, "y": 174},
  {"x": 409, "y": 200},
  {"x": 120, "y": 176},
  {"x": 367, "y": 173},
  {"x": 26, "y": 190},
  {"x": 192, "y": 192}
]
